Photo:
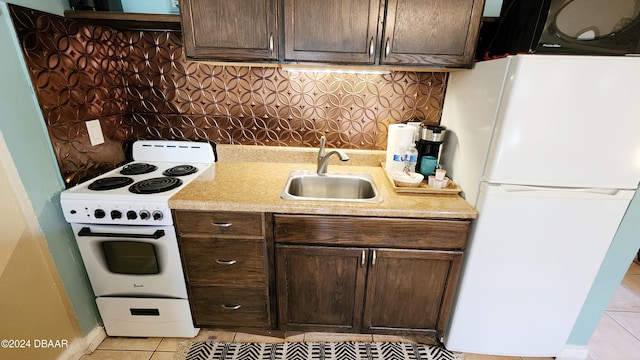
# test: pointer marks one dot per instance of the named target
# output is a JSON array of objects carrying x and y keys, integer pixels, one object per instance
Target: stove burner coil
[
  {"x": 110, "y": 183},
  {"x": 137, "y": 169},
  {"x": 155, "y": 185},
  {"x": 180, "y": 170}
]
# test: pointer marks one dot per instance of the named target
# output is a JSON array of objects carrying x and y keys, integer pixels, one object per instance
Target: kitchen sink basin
[{"x": 308, "y": 185}]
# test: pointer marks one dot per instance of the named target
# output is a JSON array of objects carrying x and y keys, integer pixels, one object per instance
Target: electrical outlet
[{"x": 95, "y": 132}]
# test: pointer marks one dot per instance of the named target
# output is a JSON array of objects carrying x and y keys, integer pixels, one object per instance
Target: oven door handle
[{"x": 86, "y": 231}]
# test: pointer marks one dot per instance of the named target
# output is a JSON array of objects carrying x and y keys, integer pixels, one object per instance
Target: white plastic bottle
[
  {"x": 399, "y": 154},
  {"x": 411, "y": 159}
]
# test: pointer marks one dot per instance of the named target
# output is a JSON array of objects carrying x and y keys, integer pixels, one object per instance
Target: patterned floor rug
[{"x": 318, "y": 351}]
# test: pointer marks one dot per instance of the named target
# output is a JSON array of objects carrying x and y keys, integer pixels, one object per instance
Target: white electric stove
[
  {"x": 124, "y": 230},
  {"x": 138, "y": 192}
]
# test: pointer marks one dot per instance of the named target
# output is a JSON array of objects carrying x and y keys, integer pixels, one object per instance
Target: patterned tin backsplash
[{"x": 140, "y": 86}]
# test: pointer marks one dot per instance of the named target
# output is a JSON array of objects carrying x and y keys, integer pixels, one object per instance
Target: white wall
[
  {"x": 51, "y": 6},
  {"x": 24, "y": 131},
  {"x": 492, "y": 8},
  {"x": 40, "y": 310}
]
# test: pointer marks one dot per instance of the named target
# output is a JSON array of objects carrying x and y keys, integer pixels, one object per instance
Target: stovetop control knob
[
  {"x": 144, "y": 215},
  {"x": 116, "y": 214},
  {"x": 131, "y": 215},
  {"x": 99, "y": 214},
  {"x": 157, "y": 215}
]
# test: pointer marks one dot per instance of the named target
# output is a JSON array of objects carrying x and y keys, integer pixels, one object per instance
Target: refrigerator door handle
[{"x": 519, "y": 188}]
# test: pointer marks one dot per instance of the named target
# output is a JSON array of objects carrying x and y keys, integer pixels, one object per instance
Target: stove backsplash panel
[{"x": 140, "y": 86}]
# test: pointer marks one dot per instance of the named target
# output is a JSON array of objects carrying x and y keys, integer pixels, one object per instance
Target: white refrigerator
[{"x": 547, "y": 148}]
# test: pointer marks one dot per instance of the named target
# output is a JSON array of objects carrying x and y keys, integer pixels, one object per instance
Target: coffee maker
[{"x": 430, "y": 142}]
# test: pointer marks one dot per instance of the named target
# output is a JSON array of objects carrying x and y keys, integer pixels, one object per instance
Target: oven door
[{"x": 140, "y": 261}]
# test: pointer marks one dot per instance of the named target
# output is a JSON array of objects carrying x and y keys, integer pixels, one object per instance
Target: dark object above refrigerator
[{"x": 577, "y": 27}]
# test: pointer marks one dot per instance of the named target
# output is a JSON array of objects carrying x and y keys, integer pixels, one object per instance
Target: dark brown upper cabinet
[
  {"x": 391, "y": 33},
  {"x": 431, "y": 32},
  {"x": 334, "y": 31},
  {"x": 239, "y": 30}
]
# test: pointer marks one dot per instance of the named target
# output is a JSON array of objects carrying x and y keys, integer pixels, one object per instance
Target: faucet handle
[{"x": 323, "y": 140}]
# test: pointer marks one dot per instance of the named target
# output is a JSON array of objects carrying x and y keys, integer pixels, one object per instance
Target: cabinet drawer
[
  {"x": 225, "y": 306},
  {"x": 378, "y": 232},
  {"x": 224, "y": 261},
  {"x": 218, "y": 223}
]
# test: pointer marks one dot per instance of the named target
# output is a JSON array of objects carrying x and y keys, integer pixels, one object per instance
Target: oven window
[{"x": 131, "y": 257}]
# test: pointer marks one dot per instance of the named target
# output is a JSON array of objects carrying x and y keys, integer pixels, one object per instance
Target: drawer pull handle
[
  {"x": 226, "y": 262},
  {"x": 222, "y": 225},
  {"x": 231, "y": 307}
]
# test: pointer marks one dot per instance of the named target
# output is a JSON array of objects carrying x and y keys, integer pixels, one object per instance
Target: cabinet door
[
  {"x": 230, "y": 30},
  {"x": 410, "y": 290},
  {"x": 320, "y": 288},
  {"x": 431, "y": 32},
  {"x": 331, "y": 30}
]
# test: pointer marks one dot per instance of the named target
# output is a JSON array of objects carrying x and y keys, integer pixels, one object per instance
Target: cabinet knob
[
  {"x": 373, "y": 258},
  {"x": 371, "y": 48},
  {"x": 363, "y": 258},
  {"x": 226, "y": 262},
  {"x": 231, "y": 307}
]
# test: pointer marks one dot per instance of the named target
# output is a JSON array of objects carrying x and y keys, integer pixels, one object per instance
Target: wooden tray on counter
[{"x": 424, "y": 188}]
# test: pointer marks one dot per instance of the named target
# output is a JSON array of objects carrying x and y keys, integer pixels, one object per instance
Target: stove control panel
[
  {"x": 128, "y": 215},
  {"x": 114, "y": 213}
]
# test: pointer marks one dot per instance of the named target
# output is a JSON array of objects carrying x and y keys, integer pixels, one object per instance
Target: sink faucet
[{"x": 324, "y": 159}]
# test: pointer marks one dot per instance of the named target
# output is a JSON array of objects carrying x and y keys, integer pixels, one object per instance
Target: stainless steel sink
[{"x": 308, "y": 185}]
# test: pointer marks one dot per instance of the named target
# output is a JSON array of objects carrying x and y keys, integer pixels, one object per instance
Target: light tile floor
[
  {"x": 617, "y": 336},
  {"x": 618, "y": 333}
]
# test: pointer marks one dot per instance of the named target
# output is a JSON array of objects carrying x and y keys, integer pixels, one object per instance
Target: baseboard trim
[
  {"x": 573, "y": 352},
  {"x": 85, "y": 345}
]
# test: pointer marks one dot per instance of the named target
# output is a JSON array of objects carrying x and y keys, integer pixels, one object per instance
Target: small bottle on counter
[
  {"x": 411, "y": 159},
  {"x": 399, "y": 155}
]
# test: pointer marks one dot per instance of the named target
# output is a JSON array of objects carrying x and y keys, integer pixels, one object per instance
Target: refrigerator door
[
  {"x": 532, "y": 258},
  {"x": 469, "y": 113},
  {"x": 568, "y": 121}
]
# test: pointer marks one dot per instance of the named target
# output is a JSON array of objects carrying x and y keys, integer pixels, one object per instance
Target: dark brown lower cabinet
[
  {"x": 331, "y": 273},
  {"x": 320, "y": 288},
  {"x": 365, "y": 290},
  {"x": 410, "y": 290},
  {"x": 227, "y": 263}
]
